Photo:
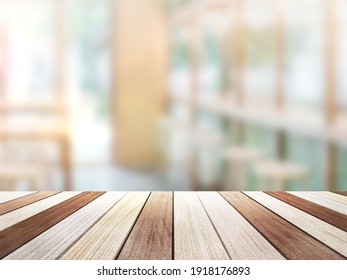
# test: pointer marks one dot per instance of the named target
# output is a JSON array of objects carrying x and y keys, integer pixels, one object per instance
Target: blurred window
[
  {"x": 88, "y": 57},
  {"x": 310, "y": 152},
  {"x": 31, "y": 53},
  {"x": 36, "y": 34},
  {"x": 304, "y": 54},
  {"x": 210, "y": 123},
  {"x": 262, "y": 138},
  {"x": 180, "y": 77},
  {"x": 210, "y": 62},
  {"x": 260, "y": 53}
]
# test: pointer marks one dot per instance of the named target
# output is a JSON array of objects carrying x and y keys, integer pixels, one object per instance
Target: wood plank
[
  {"x": 241, "y": 240},
  {"x": 19, "y": 215},
  {"x": 23, "y": 201},
  {"x": 341, "y": 193},
  {"x": 332, "y": 236},
  {"x": 151, "y": 237},
  {"x": 336, "y": 206},
  {"x": 52, "y": 243},
  {"x": 333, "y": 196},
  {"x": 194, "y": 235},
  {"x": 106, "y": 238},
  {"x": 326, "y": 214},
  {"x": 292, "y": 242},
  {"x": 16, "y": 236},
  {"x": 6, "y": 196}
]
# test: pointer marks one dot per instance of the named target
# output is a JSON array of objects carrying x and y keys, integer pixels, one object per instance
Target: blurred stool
[
  {"x": 238, "y": 162},
  {"x": 275, "y": 175},
  {"x": 174, "y": 141},
  {"x": 209, "y": 146}
]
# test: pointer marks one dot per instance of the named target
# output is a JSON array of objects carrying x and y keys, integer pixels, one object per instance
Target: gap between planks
[
  {"x": 323, "y": 201},
  {"x": 195, "y": 236},
  {"x": 151, "y": 236},
  {"x": 292, "y": 242},
  {"x": 20, "y": 202},
  {"x": 331, "y": 236},
  {"x": 52, "y": 243},
  {"x": 333, "y": 196},
  {"x": 17, "y": 235},
  {"x": 106, "y": 238},
  {"x": 241, "y": 240},
  {"x": 6, "y": 196},
  {"x": 19, "y": 215},
  {"x": 326, "y": 214}
]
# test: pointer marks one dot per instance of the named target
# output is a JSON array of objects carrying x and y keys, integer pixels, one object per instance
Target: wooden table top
[{"x": 173, "y": 225}]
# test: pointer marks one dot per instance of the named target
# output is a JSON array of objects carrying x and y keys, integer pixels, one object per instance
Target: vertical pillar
[{"x": 140, "y": 63}]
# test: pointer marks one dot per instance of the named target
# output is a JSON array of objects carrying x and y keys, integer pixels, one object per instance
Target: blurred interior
[{"x": 173, "y": 95}]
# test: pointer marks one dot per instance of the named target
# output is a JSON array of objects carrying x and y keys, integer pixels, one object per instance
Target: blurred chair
[
  {"x": 275, "y": 175},
  {"x": 239, "y": 160},
  {"x": 24, "y": 132},
  {"x": 13, "y": 174}
]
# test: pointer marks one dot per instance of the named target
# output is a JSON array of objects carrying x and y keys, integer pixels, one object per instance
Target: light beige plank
[
  {"x": 332, "y": 236},
  {"x": 23, "y": 213},
  {"x": 194, "y": 235},
  {"x": 241, "y": 240},
  {"x": 55, "y": 241},
  {"x": 7, "y": 196},
  {"x": 106, "y": 238},
  {"x": 323, "y": 201},
  {"x": 333, "y": 196}
]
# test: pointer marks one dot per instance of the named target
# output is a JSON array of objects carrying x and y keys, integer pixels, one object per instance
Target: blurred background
[{"x": 173, "y": 95}]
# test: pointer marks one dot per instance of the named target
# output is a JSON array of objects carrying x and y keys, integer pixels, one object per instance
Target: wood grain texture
[
  {"x": 7, "y": 196},
  {"x": 23, "y": 201},
  {"x": 292, "y": 242},
  {"x": 151, "y": 237},
  {"x": 240, "y": 239},
  {"x": 16, "y": 236},
  {"x": 194, "y": 235},
  {"x": 332, "y": 236},
  {"x": 333, "y": 196},
  {"x": 55, "y": 241},
  {"x": 166, "y": 225},
  {"x": 16, "y": 216},
  {"x": 326, "y": 214},
  {"x": 106, "y": 238},
  {"x": 326, "y": 202}
]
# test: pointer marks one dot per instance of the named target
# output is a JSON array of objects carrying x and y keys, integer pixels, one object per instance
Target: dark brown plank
[
  {"x": 151, "y": 237},
  {"x": 20, "y": 202},
  {"x": 17, "y": 235},
  {"x": 326, "y": 214},
  {"x": 341, "y": 193},
  {"x": 292, "y": 242}
]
